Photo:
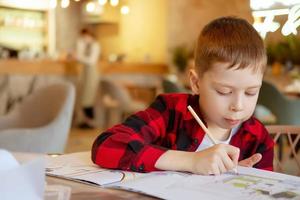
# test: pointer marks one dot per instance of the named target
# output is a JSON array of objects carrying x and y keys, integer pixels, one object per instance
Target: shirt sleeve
[
  {"x": 266, "y": 148},
  {"x": 135, "y": 144}
]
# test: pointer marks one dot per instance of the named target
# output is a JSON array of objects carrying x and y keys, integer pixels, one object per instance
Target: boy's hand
[
  {"x": 249, "y": 162},
  {"x": 215, "y": 160}
]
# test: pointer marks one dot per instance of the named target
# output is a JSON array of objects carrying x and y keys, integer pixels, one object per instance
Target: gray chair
[
  {"x": 114, "y": 103},
  {"x": 3, "y": 94},
  {"x": 286, "y": 110},
  {"x": 41, "y": 122},
  {"x": 290, "y": 162},
  {"x": 173, "y": 87}
]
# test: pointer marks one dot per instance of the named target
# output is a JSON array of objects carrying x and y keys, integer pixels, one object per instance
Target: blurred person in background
[
  {"x": 8, "y": 52},
  {"x": 87, "y": 53}
]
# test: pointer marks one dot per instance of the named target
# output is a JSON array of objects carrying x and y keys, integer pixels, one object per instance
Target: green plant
[
  {"x": 287, "y": 50},
  {"x": 294, "y": 44}
]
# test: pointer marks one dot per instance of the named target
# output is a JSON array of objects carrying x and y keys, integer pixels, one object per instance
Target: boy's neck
[{"x": 218, "y": 133}]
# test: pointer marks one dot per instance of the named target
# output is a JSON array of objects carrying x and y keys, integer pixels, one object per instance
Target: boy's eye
[
  {"x": 251, "y": 93},
  {"x": 223, "y": 92}
]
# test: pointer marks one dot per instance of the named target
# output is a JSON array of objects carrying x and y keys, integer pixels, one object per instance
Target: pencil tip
[{"x": 236, "y": 171}]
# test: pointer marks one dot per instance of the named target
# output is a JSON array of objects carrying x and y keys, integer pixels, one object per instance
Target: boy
[{"x": 229, "y": 64}]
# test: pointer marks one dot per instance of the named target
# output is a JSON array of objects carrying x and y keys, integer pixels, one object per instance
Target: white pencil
[{"x": 205, "y": 129}]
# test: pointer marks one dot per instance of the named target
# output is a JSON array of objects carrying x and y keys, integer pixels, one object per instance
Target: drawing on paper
[
  {"x": 241, "y": 186},
  {"x": 276, "y": 189}
]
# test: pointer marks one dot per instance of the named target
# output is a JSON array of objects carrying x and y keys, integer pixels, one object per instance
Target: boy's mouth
[{"x": 232, "y": 121}]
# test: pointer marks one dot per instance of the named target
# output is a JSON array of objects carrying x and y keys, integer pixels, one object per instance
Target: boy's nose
[
  {"x": 237, "y": 105},
  {"x": 236, "y": 108}
]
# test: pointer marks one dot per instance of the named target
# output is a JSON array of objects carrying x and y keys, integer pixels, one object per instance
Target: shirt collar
[
  {"x": 250, "y": 126},
  {"x": 193, "y": 101}
]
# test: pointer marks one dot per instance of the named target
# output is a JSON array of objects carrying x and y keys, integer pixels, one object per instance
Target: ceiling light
[
  {"x": 52, "y": 4},
  {"x": 114, "y": 2},
  {"x": 102, "y": 2},
  {"x": 90, "y": 7},
  {"x": 65, "y": 3},
  {"x": 125, "y": 10}
]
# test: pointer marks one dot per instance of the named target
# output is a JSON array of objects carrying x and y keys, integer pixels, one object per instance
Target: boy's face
[{"x": 227, "y": 96}]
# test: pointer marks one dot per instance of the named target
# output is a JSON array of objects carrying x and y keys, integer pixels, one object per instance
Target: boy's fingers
[
  {"x": 216, "y": 170},
  {"x": 222, "y": 166},
  {"x": 233, "y": 153},
  {"x": 255, "y": 158},
  {"x": 249, "y": 162},
  {"x": 227, "y": 161}
]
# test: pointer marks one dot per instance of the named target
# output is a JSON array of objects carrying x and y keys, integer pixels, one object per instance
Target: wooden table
[
  {"x": 72, "y": 68},
  {"x": 82, "y": 191},
  {"x": 39, "y": 67}
]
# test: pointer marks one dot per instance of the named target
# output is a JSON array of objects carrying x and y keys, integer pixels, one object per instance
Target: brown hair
[
  {"x": 85, "y": 31},
  {"x": 232, "y": 40}
]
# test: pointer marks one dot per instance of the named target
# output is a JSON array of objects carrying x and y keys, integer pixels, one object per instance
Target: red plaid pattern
[{"x": 137, "y": 143}]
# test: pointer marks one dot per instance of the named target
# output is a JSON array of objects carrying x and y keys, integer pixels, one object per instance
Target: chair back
[
  {"x": 41, "y": 122},
  {"x": 3, "y": 94},
  {"x": 172, "y": 87},
  {"x": 115, "y": 92},
  {"x": 286, "y": 110},
  {"x": 290, "y": 136}
]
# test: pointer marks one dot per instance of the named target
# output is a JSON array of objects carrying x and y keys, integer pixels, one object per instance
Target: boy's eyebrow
[{"x": 229, "y": 86}]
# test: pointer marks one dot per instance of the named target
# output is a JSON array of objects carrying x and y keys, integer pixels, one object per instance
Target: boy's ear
[{"x": 194, "y": 81}]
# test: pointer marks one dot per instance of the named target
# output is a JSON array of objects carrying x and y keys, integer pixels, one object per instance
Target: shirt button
[
  {"x": 195, "y": 141},
  {"x": 133, "y": 168},
  {"x": 141, "y": 168}
]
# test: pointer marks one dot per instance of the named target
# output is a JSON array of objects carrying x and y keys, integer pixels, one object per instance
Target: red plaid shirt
[{"x": 137, "y": 143}]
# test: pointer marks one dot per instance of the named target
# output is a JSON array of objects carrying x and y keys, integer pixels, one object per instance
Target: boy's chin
[{"x": 230, "y": 125}]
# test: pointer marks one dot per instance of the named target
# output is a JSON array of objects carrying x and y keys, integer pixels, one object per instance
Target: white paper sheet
[
  {"x": 249, "y": 184},
  {"x": 79, "y": 167}
]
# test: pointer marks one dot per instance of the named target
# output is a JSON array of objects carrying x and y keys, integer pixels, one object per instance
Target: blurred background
[{"x": 145, "y": 48}]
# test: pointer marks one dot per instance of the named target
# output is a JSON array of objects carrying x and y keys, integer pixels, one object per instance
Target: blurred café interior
[{"x": 145, "y": 48}]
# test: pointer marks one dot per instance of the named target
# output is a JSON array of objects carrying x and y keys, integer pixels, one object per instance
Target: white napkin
[{"x": 26, "y": 181}]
